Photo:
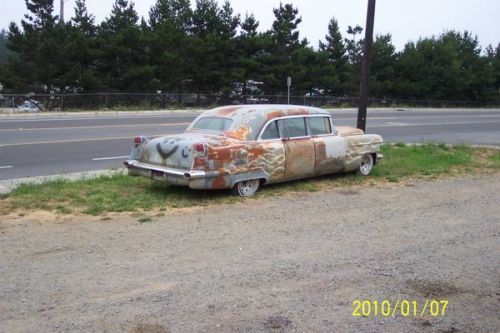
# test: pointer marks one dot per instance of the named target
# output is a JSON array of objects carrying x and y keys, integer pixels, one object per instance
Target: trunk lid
[{"x": 178, "y": 151}]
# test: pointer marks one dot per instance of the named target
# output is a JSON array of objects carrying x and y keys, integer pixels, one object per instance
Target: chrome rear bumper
[{"x": 143, "y": 168}]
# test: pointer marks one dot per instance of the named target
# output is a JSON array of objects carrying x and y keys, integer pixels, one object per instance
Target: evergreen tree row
[{"x": 209, "y": 48}]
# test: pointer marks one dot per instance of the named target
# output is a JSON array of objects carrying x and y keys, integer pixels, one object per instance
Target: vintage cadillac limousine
[{"x": 243, "y": 147}]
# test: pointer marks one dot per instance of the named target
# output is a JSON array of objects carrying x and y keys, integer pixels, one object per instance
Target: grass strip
[{"x": 122, "y": 193}]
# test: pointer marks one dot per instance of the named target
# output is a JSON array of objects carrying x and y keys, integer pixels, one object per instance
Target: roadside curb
[
  {"x": 446, "y": 144},
  {"x": 9, "y": 184}
]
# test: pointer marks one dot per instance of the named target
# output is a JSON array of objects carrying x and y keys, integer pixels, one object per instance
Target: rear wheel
[
  {"x": 246, "y": 188},
  {"x": 366, "y": 166}
]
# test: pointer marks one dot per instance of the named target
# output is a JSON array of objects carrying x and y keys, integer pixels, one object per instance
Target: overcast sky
[{"x": 406, "y": 20}]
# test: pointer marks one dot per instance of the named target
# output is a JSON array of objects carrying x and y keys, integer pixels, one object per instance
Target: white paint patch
[
  {"x": 335, "y": 146},
  {"x": 109, "y": 158},
  {"x": 6, "y": 167}
]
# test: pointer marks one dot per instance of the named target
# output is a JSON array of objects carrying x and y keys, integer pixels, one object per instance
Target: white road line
[
  {"x": 434, "y": 124},
  {"x": 63, "y": 141},
  {"x": 6, "y": 167},
  {"x": 53, "y": 118},
  {"x": 87, "y": 127},
  {"x": 109, "y": 158},
  {"x": 78, "y": 140},
  {"x": 396, "y": 124},
  {"x": 374, "y": 116}
]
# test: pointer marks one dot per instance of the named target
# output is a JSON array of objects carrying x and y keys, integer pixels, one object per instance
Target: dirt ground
[{"x": 285, "y": 264}]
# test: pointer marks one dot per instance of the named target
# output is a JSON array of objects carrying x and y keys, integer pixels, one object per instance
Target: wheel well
[
  {"x": 262, "y": 181},
  {"x": 374, "y": 155}
]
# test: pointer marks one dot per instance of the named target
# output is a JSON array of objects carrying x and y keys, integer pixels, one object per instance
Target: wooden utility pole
[{"x": 365, "y": 69}]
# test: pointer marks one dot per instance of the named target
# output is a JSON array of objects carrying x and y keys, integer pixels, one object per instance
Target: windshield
[{"x": 213, "y": 124}]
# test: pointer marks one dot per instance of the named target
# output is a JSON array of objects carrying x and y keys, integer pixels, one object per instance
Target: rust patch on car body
[
  {"x": 227, "y": 111},
  {"x": 219, "y": 183},
  {"x": 275, "y": 114},
  {"x": 240, "y": 133}
]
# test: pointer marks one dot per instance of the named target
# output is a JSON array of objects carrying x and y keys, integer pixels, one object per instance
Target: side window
[
  {"x": 294, "y": 127},
  {"x": 271, "y": 131},
  {"x": 319, "y": 125}
]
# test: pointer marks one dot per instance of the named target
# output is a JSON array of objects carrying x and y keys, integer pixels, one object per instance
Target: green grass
[
  {"x": 494, "y": 161},
  {"x": 117, "y": 193},
  {"x": 422, "y": 160},
  {"x": 122, "y": 193}
]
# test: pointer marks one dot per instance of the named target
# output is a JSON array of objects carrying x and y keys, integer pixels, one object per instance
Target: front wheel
[
  {"x": 246, "y": 188},
  {"x": 366, "y": 166}
]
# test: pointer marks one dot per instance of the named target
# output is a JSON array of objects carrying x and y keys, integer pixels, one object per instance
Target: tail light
[
  {"x": 200, "y": 149},
  {"x": 139, "y": 140}
]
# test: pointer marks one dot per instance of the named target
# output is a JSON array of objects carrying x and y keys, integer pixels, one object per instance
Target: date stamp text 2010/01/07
[{"x": 404, "y": 307}]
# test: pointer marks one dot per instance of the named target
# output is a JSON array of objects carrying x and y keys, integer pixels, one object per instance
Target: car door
[
  {"x": 272, "y": 161},
  {"x": 299, "y": 149},
  {"x": 330, "y": 149}
]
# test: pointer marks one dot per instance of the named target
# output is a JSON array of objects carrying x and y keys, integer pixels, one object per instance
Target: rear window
[{"x": 213, "y": 124}]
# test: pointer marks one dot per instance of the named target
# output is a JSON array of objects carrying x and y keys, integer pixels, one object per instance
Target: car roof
[
  {"x": 248, "y": 120},
  {"x": 268, "y": 111}
]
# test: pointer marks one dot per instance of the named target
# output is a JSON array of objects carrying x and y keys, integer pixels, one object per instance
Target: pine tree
[
  {"x": 383, "y": 72},
  {"x": 226, "y": 57},
  {"x": 40, "y": 16},
  {"x": 40, "y": 64},
  {"x": 170, "y": 23},
  {"x": 334, "y": 44},
  {"x": 228, "y": 22},
  {"x": 354, "y": 48},
  {"x": 337, "y": 68},
  {"x": 285, "y": 26},
  {"x": 3, "y": 47},
  {"x": 284, "y": 51},
  {"x": 250, "y": 45},
  {"x": 82, "y": 20},
  {"x": 249, "y": 26},
  {"x": 172, "y": 14},
  {"x": 205, "y": 18},
  {"x": 213, "y": 47},
  {"x": 82, "y": 52},
  {"x": 124, "y": 52}
]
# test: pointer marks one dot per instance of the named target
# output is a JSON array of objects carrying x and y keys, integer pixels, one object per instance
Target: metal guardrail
[{"x": 160, "y": 101}]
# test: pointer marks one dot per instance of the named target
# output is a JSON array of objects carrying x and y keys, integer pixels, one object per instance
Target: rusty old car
[{"x": 245, "y": 146}]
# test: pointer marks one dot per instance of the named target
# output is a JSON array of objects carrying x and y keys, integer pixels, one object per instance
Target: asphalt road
[{"x": 37, "y": 145}]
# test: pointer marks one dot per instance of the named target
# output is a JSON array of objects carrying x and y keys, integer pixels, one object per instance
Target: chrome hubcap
[
  {"x": 366, "y": 165},
  {"x": 248, "y": 187}
]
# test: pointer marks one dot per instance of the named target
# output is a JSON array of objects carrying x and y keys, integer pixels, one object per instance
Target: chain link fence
[{"x": 163, "y": 101}]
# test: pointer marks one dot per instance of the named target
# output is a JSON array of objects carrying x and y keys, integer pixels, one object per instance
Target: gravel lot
[{"x": 285, "y": 264}]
